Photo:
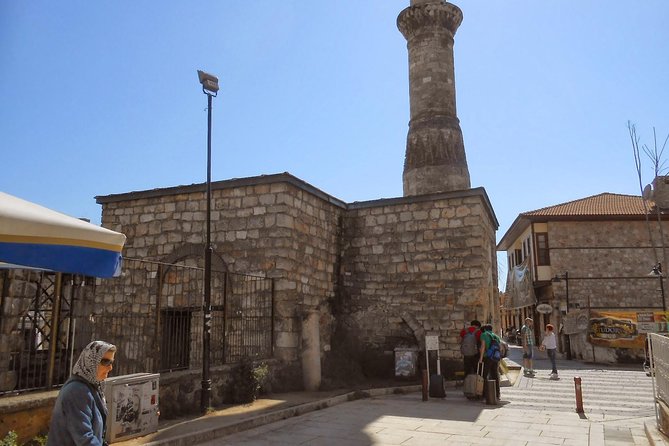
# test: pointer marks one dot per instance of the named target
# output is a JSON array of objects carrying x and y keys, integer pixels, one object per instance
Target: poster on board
[{"x": 624, "y": 329}]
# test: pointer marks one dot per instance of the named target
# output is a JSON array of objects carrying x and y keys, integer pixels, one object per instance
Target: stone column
[
  {"x": 311, "y": 351},
  {"x": 435, "y": 155}
]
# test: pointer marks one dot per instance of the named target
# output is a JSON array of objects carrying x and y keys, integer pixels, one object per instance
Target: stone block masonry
[
  {"x": 603, "y": 259},
  {"x": 608, "y": 264},
  {"x": 430, "y": 259},
  {"x": 261, "y": 227},
  {"x": 367, "y": 266},
  {"x": 435, "y": 158}
]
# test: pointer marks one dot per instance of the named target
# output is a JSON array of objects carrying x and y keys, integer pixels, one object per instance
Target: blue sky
[{"x": 102, "y": 97}]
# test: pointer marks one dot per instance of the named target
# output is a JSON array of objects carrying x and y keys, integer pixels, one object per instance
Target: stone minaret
[{"x": 435, "y": 157}]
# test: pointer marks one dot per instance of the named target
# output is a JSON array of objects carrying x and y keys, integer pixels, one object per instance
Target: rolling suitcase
[
  {"x": 437, "y": 387},
  {"x": 473, "y": 386},
  {"x": 469, "y": 388}
]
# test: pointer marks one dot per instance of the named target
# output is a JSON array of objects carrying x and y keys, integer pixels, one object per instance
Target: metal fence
[
  {"x": 153, "y": 313},
  {"x": 35, "y": 358},
  {"x": 658, "y": 352}
]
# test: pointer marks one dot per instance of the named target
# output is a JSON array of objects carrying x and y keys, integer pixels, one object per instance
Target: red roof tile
[{"x": 602, "y": 204}]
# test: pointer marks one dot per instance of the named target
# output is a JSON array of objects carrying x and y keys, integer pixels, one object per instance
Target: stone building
[
  {"x": 350, "y": 282},
  {"x": 378, "y": 274},
  {"x": 374, "y": 275},
  {"x": 588, "y": 262}
]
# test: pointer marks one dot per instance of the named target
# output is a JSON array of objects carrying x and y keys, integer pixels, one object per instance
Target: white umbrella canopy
[{"x": 34, "y": 236}]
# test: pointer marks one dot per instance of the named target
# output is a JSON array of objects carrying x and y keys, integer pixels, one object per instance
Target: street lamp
[
  {"x": 559, "y": 278},
  {"x": 657, "y": 271},
  {"x": 210, "y": 88}
]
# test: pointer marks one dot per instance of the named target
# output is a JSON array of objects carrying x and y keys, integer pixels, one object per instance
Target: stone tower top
[
  {"x": 435, "y": 158},
  {"x": 424, "y": 2}
]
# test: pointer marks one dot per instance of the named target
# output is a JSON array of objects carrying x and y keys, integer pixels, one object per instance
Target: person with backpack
[
  {"x": 469, "y": 346},
  {"x": 490, "y": 355}
]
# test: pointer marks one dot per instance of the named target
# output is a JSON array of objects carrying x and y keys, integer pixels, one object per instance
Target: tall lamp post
[
  {"x": 559, "y": 278},
  {"x": 210, "y": 88}
]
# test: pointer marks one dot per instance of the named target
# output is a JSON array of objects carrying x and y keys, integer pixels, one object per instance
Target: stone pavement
[
  {"x": 618, "y": 407},
  {"x": 218, "y": 423},
  {"x": 406, "y": 420}
]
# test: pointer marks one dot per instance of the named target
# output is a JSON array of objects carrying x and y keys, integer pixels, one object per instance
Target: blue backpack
[{"x": 493, "y": 352}]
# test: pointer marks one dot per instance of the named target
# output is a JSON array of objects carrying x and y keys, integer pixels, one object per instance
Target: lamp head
[
  {"x": 656, "y": 271},
  {"x": 560, "y": 277},
  {"x": 209, "y": 81}
]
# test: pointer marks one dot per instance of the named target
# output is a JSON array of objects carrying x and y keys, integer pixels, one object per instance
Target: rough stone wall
[
  {"x": 310, "y": 263},
  {"x": 412, "y": 266},
  {"x": 385, "y": 271},
  {"x": 122, "y": 311},
  {"x": 273, "y": 229},
  {"x": 608, "y": 264},
  {"x": 615, "y": 257},
  {"x": 179, "y": 391},
  {"x": 28, "y": 415}
]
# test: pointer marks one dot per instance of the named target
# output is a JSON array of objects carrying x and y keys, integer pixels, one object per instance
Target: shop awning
[{"x": 37, "y": 237}]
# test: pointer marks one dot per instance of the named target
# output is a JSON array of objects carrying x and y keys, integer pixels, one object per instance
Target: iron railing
[
  {"x": 658, "y": 353},
  {"x": 152, "y": 313}
]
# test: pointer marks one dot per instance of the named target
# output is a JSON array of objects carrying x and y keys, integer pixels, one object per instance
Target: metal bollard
[
  {"x": 579, "y": 394},
  {"x": 490, "y": 392},
  {"x": 424, "y": 382}
]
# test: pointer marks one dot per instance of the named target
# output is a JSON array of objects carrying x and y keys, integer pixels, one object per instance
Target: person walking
[
  {"x": 470, "y": 339},
  {"x": 80, "y": 413},
  {"x": 490, "y": 356},
  {"x": 549, "y": 343},
  {"x": 527, "y": 335}
]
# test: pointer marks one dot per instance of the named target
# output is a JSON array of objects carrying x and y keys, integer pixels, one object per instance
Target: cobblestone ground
[{"x": 535, "y": 411}]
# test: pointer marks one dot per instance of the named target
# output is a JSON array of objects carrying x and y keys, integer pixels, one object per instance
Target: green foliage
[
  {"x": 11, "y": 439},
  {"x": 261, "y": 375},
  {"x": 40, "y": 440},
  {"x": 247, "y": 381}
]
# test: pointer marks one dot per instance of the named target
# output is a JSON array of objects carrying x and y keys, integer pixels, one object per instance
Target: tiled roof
[{"x": 602, "y": 204}]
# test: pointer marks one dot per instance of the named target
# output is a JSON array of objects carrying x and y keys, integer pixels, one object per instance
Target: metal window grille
[{"x": 153, "y": 313}]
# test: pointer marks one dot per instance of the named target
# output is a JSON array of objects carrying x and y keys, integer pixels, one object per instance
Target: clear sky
[{"x": 102, "y": 97}]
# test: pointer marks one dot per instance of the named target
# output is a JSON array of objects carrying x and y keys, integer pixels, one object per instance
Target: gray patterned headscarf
[{"x": 86, "y": 366}]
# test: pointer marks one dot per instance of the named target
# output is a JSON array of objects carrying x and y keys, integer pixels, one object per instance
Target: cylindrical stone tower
[{"x": 435, "y": 156}]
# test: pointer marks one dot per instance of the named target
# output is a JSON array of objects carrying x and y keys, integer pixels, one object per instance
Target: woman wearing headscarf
[{"x": 80, "y": 414}]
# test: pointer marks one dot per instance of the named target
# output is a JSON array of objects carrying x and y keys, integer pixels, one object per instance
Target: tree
[{"x": 659, "y": 169}]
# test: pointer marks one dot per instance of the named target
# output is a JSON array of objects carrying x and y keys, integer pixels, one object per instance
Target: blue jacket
[{"x": 78, "y": 417}]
